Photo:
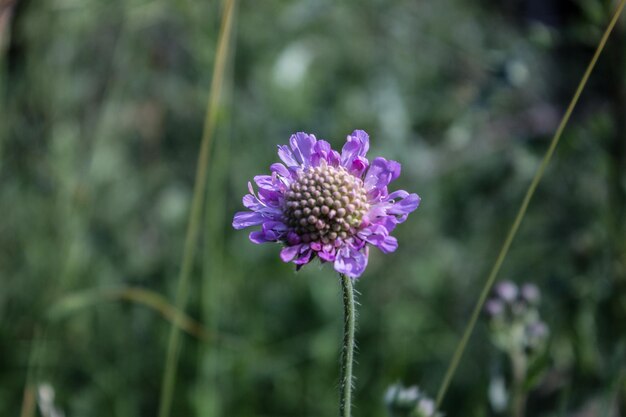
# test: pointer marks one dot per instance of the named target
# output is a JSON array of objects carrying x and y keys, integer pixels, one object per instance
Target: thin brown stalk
[
  {"x": 197, "y": 207},
  {"x": 150, "y": 299}
]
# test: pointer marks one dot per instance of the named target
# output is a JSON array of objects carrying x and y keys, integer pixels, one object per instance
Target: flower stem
[{"x": 347, "y": 354}]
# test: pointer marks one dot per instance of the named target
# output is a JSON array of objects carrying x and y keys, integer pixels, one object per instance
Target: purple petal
[
  {"x": 327, "y": 255},
  {"x": 388, "y": 222},
  {"x": 275, "y": 226},
  {"x": 323, "y": 152},
  {"x": 398, "y": 194},
  {"x": 285, "y": 155},
  {"x": 265, "y": 198},
  {"x": 378, "y": 236},
  {"x": 392, "y": 210},
  {"x": 265, "y": 181},
  {"x": 304, "y": 255},
  {"x": 245, "y": 219},
  {"x": 322, "y": 147},
  {"x": 374, "y": 234},
  {"x": 267, "y": 204},
  {"x": 390, "y": 244},
  {"x": 333, "y": 158},
  {"x": 358, "y": 143},
  {"x": 289, "y": 252},
  {"x": 270, "y": 197},
  {"x": 272, "y": 231},
  {"x": 351, "y": 262},
  {"x": 359, "y": 166},
  {"x": 293, "y": 238},
  {"x": 302, "y": 147},
  {"x": 260, "y": 237},
  {"x": 316, "y": 246},
  {"x": 376, "y": 211},
  {"x": 281, "y": 170},
  {"x": 381, "y": 173},
  {"x": 407, "y": 204},
  {"x": 251, "y": 202},
  {"x": 378, "y": 216}
]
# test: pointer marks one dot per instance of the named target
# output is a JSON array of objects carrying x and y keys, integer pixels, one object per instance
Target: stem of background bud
[
  {"x": 347, "y": 353},
  {"x": 519, "y": 364}
]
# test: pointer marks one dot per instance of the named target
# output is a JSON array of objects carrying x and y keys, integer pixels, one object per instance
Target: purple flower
[
  {"x": 506, "y": 291},
  {"x": 494, "y": 307},
  {"x": 531, "y": 293},
  {"x": 320, "y": 203},
  {"x": 537, "y": 330}
]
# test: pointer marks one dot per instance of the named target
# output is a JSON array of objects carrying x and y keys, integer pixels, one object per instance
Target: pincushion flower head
[{"x": 325, "y": 204}]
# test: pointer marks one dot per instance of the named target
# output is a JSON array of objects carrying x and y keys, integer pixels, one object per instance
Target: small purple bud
[
  {"x": 506, "y": 290},
  {"x": 494, "y": 307},
  {"x": 537, "y": 330},
  {"x": 531, "y": 293},
  {"x": 536, "y": 334}
]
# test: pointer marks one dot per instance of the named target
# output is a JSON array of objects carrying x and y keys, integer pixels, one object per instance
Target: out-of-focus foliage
[{"x": 102, "y": 110}]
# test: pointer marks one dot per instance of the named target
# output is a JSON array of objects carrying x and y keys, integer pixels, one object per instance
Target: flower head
[
  {"x": 320, "y": 203},
  {"x": 514, "y": 317}
]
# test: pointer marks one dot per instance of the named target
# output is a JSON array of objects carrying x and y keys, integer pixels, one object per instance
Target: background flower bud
[
  {"x": 531, "y": 294},
  {"x": 507, "y": 291},
  {"x": 494, "y": 307}
]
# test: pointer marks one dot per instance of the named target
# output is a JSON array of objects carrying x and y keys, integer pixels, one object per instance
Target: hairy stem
[
  {"x": 347, "y": 354},
  {"x": 469, "y": 329}
]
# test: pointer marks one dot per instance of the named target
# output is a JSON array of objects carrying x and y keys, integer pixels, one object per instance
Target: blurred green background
[{"x": 102, "y": 106}]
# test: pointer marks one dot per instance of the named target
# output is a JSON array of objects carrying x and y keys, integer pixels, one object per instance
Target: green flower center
[{"x": 325, "y": 203}]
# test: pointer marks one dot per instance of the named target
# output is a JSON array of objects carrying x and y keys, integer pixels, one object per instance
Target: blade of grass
[
  {"x": 173, "y": 347},
  {"x": 6, "y": 14},
  {"x": 208, "y": 399},
  {"x": 456, "y": 358},
  {"x": 29, "y": 400},
  {"x": 612, "y": 393},
  {"x": 212, "y": 382},
  {"x": 83, "y": 299},
  {"x": 610, "y": 402}
]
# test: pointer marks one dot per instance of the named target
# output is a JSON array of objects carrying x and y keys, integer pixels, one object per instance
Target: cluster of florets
[
  {"x": 514, "y": 317},
  {"x": 325, "y": 203},
  {"x": 320, "y": 203},
  {"x": 409, "y": 402}
]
